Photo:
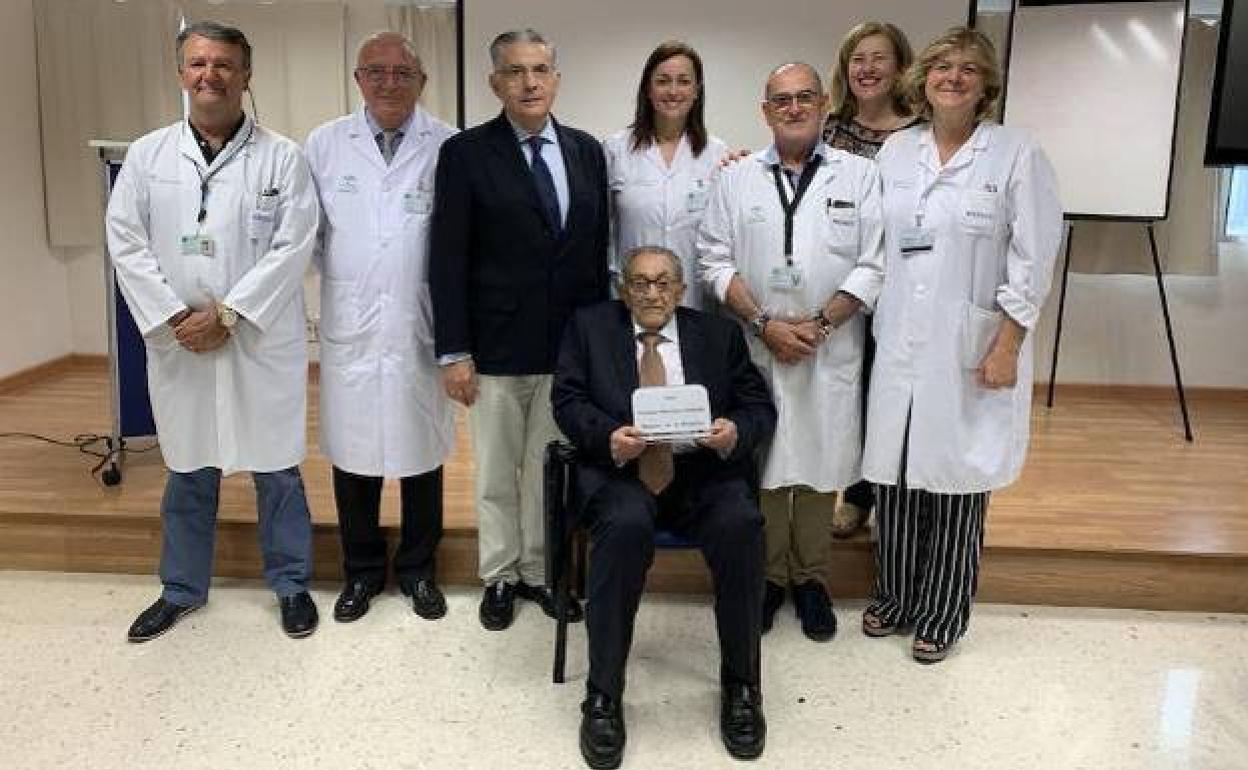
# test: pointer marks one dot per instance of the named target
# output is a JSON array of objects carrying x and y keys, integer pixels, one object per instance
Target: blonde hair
[
  {"x": 843, "y": 105},
  {"x": 964, "y": 39}
]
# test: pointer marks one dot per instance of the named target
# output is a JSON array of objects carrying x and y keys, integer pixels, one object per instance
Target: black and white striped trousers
[{"x": 927, "y": 559}]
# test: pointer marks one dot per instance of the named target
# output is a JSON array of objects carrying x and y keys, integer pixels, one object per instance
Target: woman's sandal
[
  {"x": 873, "y": 625},
  {"x": 928, "y": 651}
]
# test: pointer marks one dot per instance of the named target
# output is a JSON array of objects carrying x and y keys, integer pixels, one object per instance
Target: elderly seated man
[{"x": 703, "y": 489}]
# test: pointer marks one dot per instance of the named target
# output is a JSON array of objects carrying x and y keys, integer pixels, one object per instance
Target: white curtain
[
  {"x": 432, "y": 31},
  {"x": 106, "y": 71},
  {"x": 431, "y": 28},
  {"x": 297, "y": 75}
]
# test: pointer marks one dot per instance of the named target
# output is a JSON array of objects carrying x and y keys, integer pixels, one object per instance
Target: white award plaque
[{"x": 672, "y": 412}]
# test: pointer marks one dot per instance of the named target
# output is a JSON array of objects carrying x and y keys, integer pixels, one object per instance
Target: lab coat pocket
[
  {"x": 979, "y": 212},
  {"x": 340, "y": 311},
  {"x": 979, "y": 329},
  {"x": 421, "y": 315},
  {"x": 843, "y": 365},
  {"x": 842, "y": 231}
]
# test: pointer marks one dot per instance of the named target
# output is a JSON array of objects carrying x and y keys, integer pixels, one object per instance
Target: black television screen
[{"x": 1228, "y": 114}]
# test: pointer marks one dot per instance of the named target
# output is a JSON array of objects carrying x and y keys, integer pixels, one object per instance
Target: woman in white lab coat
[
  {"x": 973, "y": 225},
  {"x": 662, "y": 167},
  {"x": 867, "y": 105}
]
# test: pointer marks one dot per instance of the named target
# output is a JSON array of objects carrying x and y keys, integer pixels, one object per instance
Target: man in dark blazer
[
  {"x": 705, "y": 490},
  {"x": 519, "y": 240}
]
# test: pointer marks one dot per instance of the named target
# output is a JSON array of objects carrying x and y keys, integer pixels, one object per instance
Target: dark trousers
[
  {"x": 927, "y": 559},
  {"x": 364, "y": 546},
  {"x": 723, "y": 517}
]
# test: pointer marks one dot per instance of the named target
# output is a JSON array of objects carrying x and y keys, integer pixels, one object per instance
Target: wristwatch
[
  {"x": 825, "y": 325},
  {"x": 759, "y": 324},
  {"x": 227, "y": 317}
]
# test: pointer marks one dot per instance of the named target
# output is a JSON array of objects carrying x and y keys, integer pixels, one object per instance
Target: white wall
[
  {"x": 1113, "y": 332},
  {"x": 604, "y": 43},
  {"x": 32, "y": 280}
]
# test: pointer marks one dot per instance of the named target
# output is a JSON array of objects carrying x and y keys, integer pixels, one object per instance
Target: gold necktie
[{"x": 654, "y": 467}]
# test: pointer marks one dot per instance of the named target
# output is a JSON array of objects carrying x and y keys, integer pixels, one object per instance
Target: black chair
[{"x": 566, "y": 542}]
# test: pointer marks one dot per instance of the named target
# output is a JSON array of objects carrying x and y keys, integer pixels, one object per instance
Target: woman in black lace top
[{"x": 867, "y": 106}]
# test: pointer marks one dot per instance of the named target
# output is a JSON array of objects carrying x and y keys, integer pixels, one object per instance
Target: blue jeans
[{"x": 189, "y": 512}]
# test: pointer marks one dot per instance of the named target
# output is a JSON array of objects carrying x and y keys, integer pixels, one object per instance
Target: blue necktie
[{"x": 545, "y": 184}]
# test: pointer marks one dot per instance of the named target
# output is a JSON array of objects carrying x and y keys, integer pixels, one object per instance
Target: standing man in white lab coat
[
  {"x": 210, "y": 226},
  {"x": 792, "y": 243},
  {"x": 383, "y": 410}
]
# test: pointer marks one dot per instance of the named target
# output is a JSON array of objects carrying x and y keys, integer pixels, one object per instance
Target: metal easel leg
[
  {"x": 1174, "y": 355},
  {"x": 1061, "y": 311}
]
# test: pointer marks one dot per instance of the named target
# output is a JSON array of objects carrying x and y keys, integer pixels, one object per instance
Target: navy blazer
[
  {"x": 503, "y": 283},
  {"x": 597, "y": 374}
]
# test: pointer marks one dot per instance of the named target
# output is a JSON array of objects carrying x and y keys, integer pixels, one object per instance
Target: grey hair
[
  {"x": 214, "y": 31},
  {"x": 626, "y": 263},
  {"x": 527, "y": 35},
  {"x": 813, "y": 72},
  {"x": 389, "y": 38}
]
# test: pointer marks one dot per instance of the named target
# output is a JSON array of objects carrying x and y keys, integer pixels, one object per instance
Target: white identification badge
[
  {"x": 347, "y": 184},
  {"x": 198, "y": 246},
  {"x": 756, "y": 216},
  {"x": 979, "y": 210},
  {"x": 698, "y": 197},
  {"x": 419, "y": 202},
  {"x": 916, "y": 239},
  {"x": 672, "y": 412},
  {"x": 785, "y": 278}
]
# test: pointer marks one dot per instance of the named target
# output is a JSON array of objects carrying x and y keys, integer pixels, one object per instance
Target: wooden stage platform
[{"x": 1114, "y": 509}]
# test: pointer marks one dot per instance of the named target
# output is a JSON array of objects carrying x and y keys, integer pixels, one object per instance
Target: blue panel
[{"x": 136, "y": 407}]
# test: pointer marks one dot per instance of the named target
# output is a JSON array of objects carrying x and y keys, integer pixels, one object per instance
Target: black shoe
[
  {"x": 602, "y": 731},
  {"x": 814, "y": 608},
  {"x": 773, "y": 598},
  {"x": 498, "y": 606},
  {"x": 541, "y": 596},
  {"x": 741, "y": 721},
  {"x": 353, "y": 602},
  {"x": 427, "y": 599},
  {"x": 156, "y": 620},
  {"x": 299, "y": 616}
]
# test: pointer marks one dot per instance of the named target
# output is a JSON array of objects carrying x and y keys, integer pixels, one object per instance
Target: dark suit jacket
[
  {"x": 597, "y": 374},
  {"x": 502, "y": 282}
]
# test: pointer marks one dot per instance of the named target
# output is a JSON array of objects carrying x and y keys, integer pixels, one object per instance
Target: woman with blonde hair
[
  {"x": 972, "y": 228},
  {"x": 866, "y": 106}
]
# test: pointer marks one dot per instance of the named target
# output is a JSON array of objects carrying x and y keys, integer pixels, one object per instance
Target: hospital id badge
[
  {"x": 198, "y": 246},
  {"x": 697, "y": 198},
  {"x": 785, "y": 278},
  {"x": 917, "y": 239},
  {"x": 417, "y": 202}
]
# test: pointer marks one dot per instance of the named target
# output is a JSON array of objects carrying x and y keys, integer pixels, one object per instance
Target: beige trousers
[
  {"x": 511, "y": 424},
  {"x": 798, "y": 530}
]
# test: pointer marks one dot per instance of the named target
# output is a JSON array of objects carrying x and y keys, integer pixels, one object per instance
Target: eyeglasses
[
  {"x": 801, "y": 99},
  {"x": 642, "y": 286},
  {"x": 378, "y": 75},
  {"x": 518, "y": 71}
]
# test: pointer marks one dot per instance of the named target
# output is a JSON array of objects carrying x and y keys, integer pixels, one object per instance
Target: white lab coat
[
  {"x": 997, "y": 221},
  {"x": 243, "y": 406},
  {"x": 383, "y": 409},
  {"x": 838, "y": 236},
  {"x": 653, "y": 204}
]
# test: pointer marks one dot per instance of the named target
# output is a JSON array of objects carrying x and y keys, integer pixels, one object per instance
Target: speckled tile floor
[{"x": 1029, "y": 688}]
